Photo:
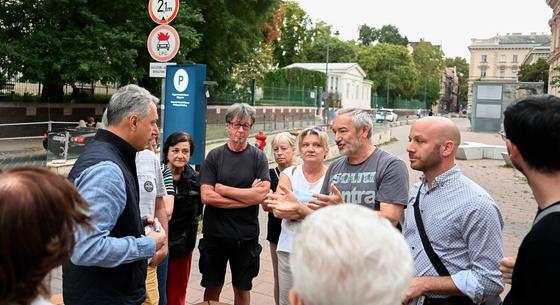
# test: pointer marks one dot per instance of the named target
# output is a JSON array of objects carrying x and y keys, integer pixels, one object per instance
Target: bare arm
[
  {"x": 210, "y": 197},
  {"x": 392, "y": 212},
  {"x": 431, "y": 284},
  {"x": 168, "y": 202},
  {"x": 161, "y": 214},
  {"x": 250, "y": 196}
]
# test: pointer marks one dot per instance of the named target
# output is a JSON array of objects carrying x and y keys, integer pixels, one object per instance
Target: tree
[
  {"x": 386, "y": 34},
  {"x": 231, "y": 34},
  {"x": 390, "y": 34},
  {"x": 289, "y": 47},
  {"x": 367, "y": 35},
  {"x": 462, "y": 68},
  {"x": 536, "y": 72},
  {"x": 391, "y": 69},
  {"x": 339, "y": 51},
  {"x": 57, "y": 42},
  {"x": 429, "y": 64}
]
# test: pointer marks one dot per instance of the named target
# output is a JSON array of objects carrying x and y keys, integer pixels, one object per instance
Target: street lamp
[{"x": 326, "y": 99}]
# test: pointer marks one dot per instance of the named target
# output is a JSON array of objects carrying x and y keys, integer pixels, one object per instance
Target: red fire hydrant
[{"x": 261, "y": 140}]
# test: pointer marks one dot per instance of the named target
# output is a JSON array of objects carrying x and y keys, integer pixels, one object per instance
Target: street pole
[
  {"x": 326, "y": 105},
  {"x": 388, "y": 77}
]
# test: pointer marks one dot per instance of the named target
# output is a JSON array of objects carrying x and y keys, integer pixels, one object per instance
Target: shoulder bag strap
[
  {"x": 552, "y": 209},
  {"x": 434, "y": 258}
]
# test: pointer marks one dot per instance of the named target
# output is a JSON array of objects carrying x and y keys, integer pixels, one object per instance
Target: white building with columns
[{"x": 346, "y": 79}]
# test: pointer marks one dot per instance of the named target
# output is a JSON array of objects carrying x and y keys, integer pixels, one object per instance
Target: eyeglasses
[
  {"x": 237, "y": 126},
  {"x": 503, "y": 134}
]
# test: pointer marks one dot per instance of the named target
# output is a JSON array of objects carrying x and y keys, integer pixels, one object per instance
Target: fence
[
  {"x": 271, "y": 96},
  {"x": 381, "y": 102},
  {"x": 17, "y": 90}
]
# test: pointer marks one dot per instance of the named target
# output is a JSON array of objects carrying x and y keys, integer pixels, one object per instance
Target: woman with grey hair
[{"x": 284, "y": 148}]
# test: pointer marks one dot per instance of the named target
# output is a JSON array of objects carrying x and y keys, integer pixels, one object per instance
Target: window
[
  {"x": 502, "y": 72},
  {"x": 514, "y": 71},
  {"x": 484, "y": 58},
  {"x": 514, "y": 58},
  {"x": 503, "y": 58},
  {"x": 482, "y": 71}
]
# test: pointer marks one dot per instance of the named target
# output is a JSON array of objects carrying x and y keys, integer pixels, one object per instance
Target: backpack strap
[{"x": 541, "y": 215}]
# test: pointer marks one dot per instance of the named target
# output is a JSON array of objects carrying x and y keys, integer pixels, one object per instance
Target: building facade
[
  {"x": 449, "y": 92},
  {"x": 499, "y": 58},
  {"x": 346, "y": 80},
  {"x": 554, "y": 57}
]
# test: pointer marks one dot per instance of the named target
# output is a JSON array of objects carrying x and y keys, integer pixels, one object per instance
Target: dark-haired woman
[{"x": 183, "y": 225}]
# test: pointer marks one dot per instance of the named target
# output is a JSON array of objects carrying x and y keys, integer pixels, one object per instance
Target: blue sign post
[{"x": 185, "y": 105}]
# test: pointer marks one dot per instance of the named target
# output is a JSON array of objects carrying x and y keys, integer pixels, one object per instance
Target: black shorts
[{"x": 243, "y": 257}]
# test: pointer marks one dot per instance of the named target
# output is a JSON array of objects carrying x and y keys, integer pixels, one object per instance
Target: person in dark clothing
[
  {"x": 532, "y": 134},
  {"x": 234, "y": 181},
  {"x": 109, "y": 261},
  {"x": 284, "y": 148},
  {"x": 183, "y": 225}
]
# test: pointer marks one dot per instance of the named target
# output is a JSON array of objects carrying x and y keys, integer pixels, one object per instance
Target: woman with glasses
[
  {"x": 300, "y": 181},
  {"x": 183, "y": 225},
  {"x": 284, "y": 148}
]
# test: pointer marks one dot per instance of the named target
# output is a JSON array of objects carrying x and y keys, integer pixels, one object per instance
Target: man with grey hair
[
  {"x": 109, "y": 261},
  {"x": 364, "y": 174},
  {"x": 363, "y": 268},
  {"x": 234, "y": 180}
]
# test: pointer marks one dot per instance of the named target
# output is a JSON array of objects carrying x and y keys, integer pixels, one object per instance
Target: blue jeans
[{"x": 162, "y": 281}]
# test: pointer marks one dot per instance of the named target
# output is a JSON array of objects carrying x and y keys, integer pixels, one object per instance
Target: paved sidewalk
[{"x": 507, "y": 186}]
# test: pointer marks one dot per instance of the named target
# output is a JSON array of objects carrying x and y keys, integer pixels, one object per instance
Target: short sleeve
[
  {"x": 393, "y": 185},
  {"x": 167, "y": 180},
  {"x": 208, "y": 171}
]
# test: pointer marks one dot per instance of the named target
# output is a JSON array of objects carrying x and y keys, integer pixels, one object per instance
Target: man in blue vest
[{"x": 108, "y": 265}]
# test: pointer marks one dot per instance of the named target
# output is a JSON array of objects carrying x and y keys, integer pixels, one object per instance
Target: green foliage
[
  {"x": 339, "y": 51},
  {"x": 230, "y": 34},
  {"x": 536, "y": 72},
  {"x": 386, "y": 34},
  {"x": 294, "y": 77},
  {"x": 429, "y": 63},
  {"x": 289, "y": 47},
  {"x": 389, "y": 64},
  {"x": 463, "y": 73},
  {"x": 57, "y": 42}
]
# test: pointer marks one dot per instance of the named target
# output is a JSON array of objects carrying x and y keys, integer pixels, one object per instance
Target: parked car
[
  {"x": 383, "y": 115},
  {"x": 78, "y": 137}
]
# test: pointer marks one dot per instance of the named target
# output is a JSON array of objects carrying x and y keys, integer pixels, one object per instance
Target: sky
[{"x": 451, "y": 23}]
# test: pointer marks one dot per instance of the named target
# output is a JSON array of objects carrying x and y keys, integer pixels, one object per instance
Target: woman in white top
[{"x": 303, "y": 180}]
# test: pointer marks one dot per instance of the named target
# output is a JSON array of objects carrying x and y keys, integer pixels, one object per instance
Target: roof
[
  {"x": 321, "y": 66},
  {"x": 513, "y": 39}
]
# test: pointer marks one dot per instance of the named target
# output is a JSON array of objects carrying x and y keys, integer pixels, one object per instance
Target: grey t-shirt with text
[{"x": 382, "y": 177}]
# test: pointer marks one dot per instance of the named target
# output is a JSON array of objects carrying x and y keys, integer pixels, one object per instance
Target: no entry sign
[
  {"x": 163, "y": 43},
  {"x": 163, "y": 11}
]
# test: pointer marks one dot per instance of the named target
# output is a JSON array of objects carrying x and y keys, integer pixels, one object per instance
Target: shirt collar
[
  {"x": 444, "y": 178},
  {"x": 127, "y": 150}
]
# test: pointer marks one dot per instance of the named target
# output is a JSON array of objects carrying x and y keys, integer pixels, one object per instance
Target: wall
[{"x": 40, "y": 112}]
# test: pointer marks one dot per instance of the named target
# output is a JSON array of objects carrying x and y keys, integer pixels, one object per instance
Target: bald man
[{"x": 452, "y": 225}]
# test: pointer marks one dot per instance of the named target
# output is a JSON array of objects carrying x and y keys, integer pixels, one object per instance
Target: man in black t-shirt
[
  {"x": 532, "y": 127},
  {"x": 234, "y": 181}
]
